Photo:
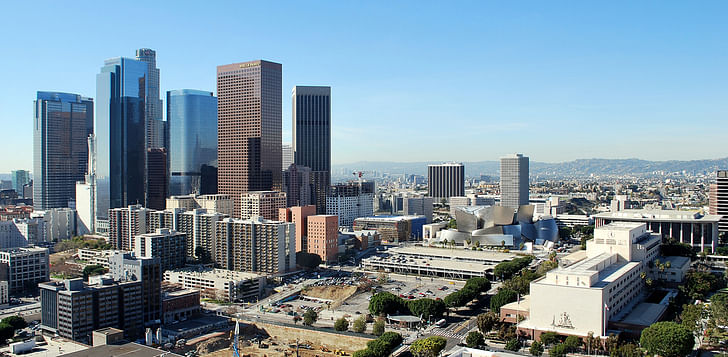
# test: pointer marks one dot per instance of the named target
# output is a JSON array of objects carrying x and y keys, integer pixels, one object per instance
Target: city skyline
[{"x": 497, "y": 71}]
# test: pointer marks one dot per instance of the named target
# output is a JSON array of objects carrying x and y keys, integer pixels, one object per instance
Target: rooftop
[
  {"x": 659, "y": 215},
  {"x": 453, "y": 253},
  {"x": 215, "y": 273},
  {"x": 125, "y": 350}
]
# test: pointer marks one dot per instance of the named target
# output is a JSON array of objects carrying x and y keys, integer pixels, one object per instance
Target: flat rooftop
[
  {"x": 216, "y": 273},
  {"x": 644, "y": 314},
  {"x": 455, "y": 254},
  {"x": 125, "y": 350},
  {"x": 656, "y": 215}
]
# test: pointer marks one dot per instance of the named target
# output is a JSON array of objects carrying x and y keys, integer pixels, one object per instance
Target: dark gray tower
[
  {"x": 445, "y": 181},
  {"x": 312, "y": 138}
]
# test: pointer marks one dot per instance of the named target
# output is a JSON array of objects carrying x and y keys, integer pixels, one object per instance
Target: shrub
[
  {"x": 341, "y": 324},
  {"x": 474, "y": 339}
]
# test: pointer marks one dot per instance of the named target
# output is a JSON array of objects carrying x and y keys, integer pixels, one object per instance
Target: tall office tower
[
  {"x": 255, "y": 245},
  {"x": 297, "y": 185},
  {"x": 262, "y": 203},
  {"x": 192, "y": 129},
  {"x": 86, "y": 194},
  {"x": 120, "y": 131},
  {"x": 127, "y": 267},
  {"x": 21, "y": 178},
  {"x": 153, "y": 104},
  {"x": 718, "y": 196},
  {"x": 323, "y": 235},
  {"x": 445, "y": 180},
  {"x": 299, "y": 217},
  {"x": 62, "y": 122},
  {"x": 287, "y": 159},
  {"x": 312, "y": 137},
  {"x": 125, "y": 224},
  {"x": 249, "y": 128},
  {"x": 157, "y": 179},
  {"x": 73, "y": 309},
  {"x": 514, "y": 181},
  {"x": 351, "y": 200},
  {"x": 165, "y": 244}
]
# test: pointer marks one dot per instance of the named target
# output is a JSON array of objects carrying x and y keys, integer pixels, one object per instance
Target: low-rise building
[
  {"x": 364, "y": 239},
  {"x": 219, "y": 284},
  {"x": 393, "y": 229},
  {"x": 26, "y": 267},
  {"x": 179, "y": 303},
  {"x": 573, "y": 220}
]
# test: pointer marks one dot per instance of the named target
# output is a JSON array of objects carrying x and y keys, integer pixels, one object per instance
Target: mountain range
[{"x": 576, "y": 168}]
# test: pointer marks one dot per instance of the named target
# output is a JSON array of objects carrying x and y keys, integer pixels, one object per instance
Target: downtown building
[
  {"x": 249, "y": 128},
  {"x": 262, "y": 203},
  {"x": 167, "y": 245},
  {"x": 222, "y": 204},
  {"x": 445, "y": 181},
  {"x": 351, "y": 200},
  {"x": 514, "y": 181},
  {"x": 197, "y": 224},
  {"x": 126, "y": 267},
  {"x": 297, "y": 185},
  {"x": 127, "y": 223},
  {"x": 323, "y": 236},
  {"x": 311, "y": 126},
  {"x": 255, "y": 245},
  {"x": 21, "y": 232},
  {"x": 73, "y": 309},
  {"x": 299, "y": 217},
  {"x": 20, "y": 178},
  {"x": 62, "y": 123},
  {"x": 718, "y": 199},
  {"x": 24, "y": 268},
  {"x": 192, "y": 127},
  {"x": 219, "y": 284}
]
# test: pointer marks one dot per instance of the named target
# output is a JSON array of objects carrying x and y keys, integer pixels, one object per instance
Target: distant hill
[{"x": 576, "y": 168}]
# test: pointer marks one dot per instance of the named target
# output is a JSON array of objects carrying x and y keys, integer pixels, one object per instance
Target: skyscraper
[
  {"x": 62, "y": 124},
  {"x": 514, "y": 181},
  {"x": 120, "y": 127},
  {"x": 249, "y": 128},
  {"x": 153, "y": 105},
  {"x": 719, "y": 199},
  {"x": 312, "y": 137},
  {"x": 445, "y": 181},
  {"x": 192, "y": 127},
  {"x": 287, "y": 159},
  {"x": 157, "y": 179},
  {"x": 20, "y": 178}
]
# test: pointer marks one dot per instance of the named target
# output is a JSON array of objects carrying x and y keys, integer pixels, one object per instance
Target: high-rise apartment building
[
  {"x": 445, "y": 180},
  {"x": 255, "y": 245},
  {"x": 21, "y": 178},
  {"x": 249, "y": 128},
  {"x": 351, "y": 200},
  {"x": 73, "y": 309},
  {"x": 125, "y": 224},
  {"x": 62, "y": 123},
  {"x": 147, "y": 270},
  {"x": 323, "y": 233},
  {"x": 262, "y": 203},
  {"x": 297, "y": 185},
  {"x": 192, "y": 128},
  {"x": 299, "y": 217},
  {"x": 287, "y": 159},
  {"x": 167, "y": 245},
  {"x": 25, "y": 267},
  {"x": 153, "y": 104},
  {"x": 197, "y": 224},
  {"x": 514, "y": 181},
  {"x": 312, "y": 137},
  {"x": 157, "y": 178},
  {"x": 718, "y": 199},
  {"x": 120, "y": 131}
]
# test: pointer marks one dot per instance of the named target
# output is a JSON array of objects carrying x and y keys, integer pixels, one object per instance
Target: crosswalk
[{"x": 448, "y": 334}]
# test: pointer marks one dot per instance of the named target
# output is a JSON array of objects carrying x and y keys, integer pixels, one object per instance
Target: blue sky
[{"x": 412, "y": 80}]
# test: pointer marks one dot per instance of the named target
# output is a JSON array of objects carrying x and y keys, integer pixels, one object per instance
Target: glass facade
[
  {"x": 120, "y": 134},
  {"x": 192, "y": 125},
  {"x": 62, "y": 123}
]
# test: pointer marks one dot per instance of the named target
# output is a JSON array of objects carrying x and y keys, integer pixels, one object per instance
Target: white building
[
  {"x": 606, "y": 285},
  {"x": 26, "y": 267},
  {"x": 60, "y": 223},
  {"x": 220, "y": 284},
  {"x": 262, "y": 204},
  {"x": 514, "y": 181},
  {"x": 22, "y": 232},
  {"x": 219, "y": 203},
  {"x": 168, "y": 245}
]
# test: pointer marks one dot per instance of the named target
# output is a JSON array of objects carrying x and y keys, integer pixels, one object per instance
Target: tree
[
  {"x": 308, "y": 260},
  {"x": 6, "y": 331},
  {"x": 692, "y": 318},
  {"x": 384, "y": 345},
  {"x": 384, "y": 303},
  {"x": 559, "y": 350},
  {"x": 719, "y": 309},
  {"x": 428, "y": 347},
  {"x": 16, "y": 322},
  {"x": 549, "y": 338},
  {"x": 513, "y": 344},
  {"x": 426, "y": 308},
  {"x": 479, "y": 284},
  {"x": 699, "y": 283},
  {"x": 360, "y": 325},
  {"x": 627, "y": 350},
  {"x": 504, "y": 296},
  {"x": 309, "y": 317},
  {"x": 572, "y": 343},
  {"x": 667, "y": 339},
  {"x": 536, "y": 349},
  {"x": 203, "y": 256},
  {"x": 474, "y": 339},
  {"x": 341, "y": 324},
  {"x": 93, "y": 269},
  {"x": 363, "y": 353},
  {"x": 487, "y": 321},
  {"x": 378, "y": 327}
]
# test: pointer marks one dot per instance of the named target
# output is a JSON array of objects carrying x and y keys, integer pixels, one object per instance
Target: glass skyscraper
[
  {"x": 62, "y": 123},
  {"x": 121, "y": 89},
  {"x": 153, "y": 106},
  {"x": 20, "y": 178},
  {"x": 192, "y": 125}
]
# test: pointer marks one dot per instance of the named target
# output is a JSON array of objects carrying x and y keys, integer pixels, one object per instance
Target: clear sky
[{"x": 411, "y": 80}]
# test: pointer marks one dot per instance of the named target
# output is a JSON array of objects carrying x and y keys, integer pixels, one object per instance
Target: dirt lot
[{"x": 336, "y": 293}]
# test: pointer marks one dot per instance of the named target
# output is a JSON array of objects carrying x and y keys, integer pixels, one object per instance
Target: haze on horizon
[{"x": 413, "y": 81}]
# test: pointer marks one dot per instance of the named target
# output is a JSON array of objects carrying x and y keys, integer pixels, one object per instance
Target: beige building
[
  {"x": 220, "y": 203},
  {"x": 606, "y": 285},
  {"x": 255, "y": 245},
  {"x": 262, "y": 203},
  {"x": 220, "y": 284}
]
